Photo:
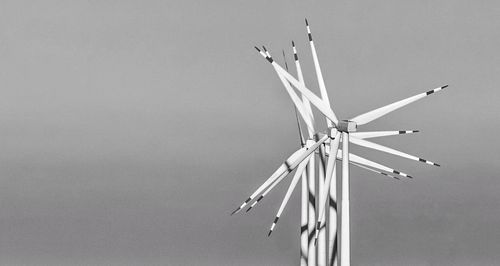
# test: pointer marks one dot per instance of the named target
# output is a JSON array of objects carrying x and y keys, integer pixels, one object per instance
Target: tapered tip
[
  {"x": 257, "y": 48},
  {"x": 409, "y": 176},
  {"x": 416, "y": 131},
  {"x": 445, "y": 86},
  {"x": 307, "y": 23},
  {"x": 293, "y": 44},
  {"x": 249, "y": 208},
  {"x": 235, "y": 211},
  {"x": 263, "y": 47},
  {"x": 436, "y": 164},
  {"x": 270, "y": 232}
]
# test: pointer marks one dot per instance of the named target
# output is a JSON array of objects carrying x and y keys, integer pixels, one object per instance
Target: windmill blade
[
  {"x": 319, "y": 75},
  {"x": 373, "y": 170},
  {"x": 360, "y": 160},
  {"x": 280, "y": 178},
  {"x": 295, "y": 99},
  {"x": 295, "y": 180},
  {"x": 301, "y": 136},
  {"x": 285, "y": 168},
  {"x": 375, "y": 146},
  {"x": 315, "y": 100},
  {"x": 307, "y": 104},
  {"x": 377, "y": 113},
  {"x": 376, "y": 134},
  {"x": 323, "y": 196}
]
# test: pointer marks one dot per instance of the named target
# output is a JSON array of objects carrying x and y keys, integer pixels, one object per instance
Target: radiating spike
[
  {"x": 366, "y": 162},
  {"x": 319, "y": 75},
  {"x": 309, "y": 150},
  {"x": 373, "y": 170},
  {"x": 297, "y": 102},
  {"x": 285, "y": 168},
  {"x": 307, "y": 104},
  {"x": 377, "y": 113},
  {"x": 315, "y": 100},
  {"x": 375, "y": 146},
  {"x": 376, "y": 134},
  {"x": 295, "y": 180}
]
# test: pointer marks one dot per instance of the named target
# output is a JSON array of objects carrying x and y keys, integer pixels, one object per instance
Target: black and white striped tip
[
  {"x": 379, "y": 112},
  {"x": 309, "y": 35},
  {"x": 255, "y": 202},
  {"x": 376, "y": 134},
  {"x": 273, "y": 225}
]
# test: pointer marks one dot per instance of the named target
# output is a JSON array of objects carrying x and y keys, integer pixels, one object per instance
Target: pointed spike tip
[
  {"x": 263, "y": 47},
  {"x": 235, "y": 211},
  {"x": 445, "y": 86},
  {"x": 249, "y": 208},
  {"x": 436, "y": 164},
  {"x": 293, "y": 44},
  {"x": 257, "y": 48},
  {"x": 416, "y": 131},
  {"x": 270, "y": 232},
  {"x": 409, "y": 176},
  {"x": 307, "y": 23}
]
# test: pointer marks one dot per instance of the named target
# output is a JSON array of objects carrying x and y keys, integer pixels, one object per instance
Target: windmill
[{"x": 327, "y": 145}]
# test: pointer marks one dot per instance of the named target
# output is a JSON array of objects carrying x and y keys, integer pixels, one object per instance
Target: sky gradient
[{"x": 131, "y": 129}]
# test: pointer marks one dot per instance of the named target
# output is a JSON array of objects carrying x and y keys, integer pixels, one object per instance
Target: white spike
[
  {"x": 375, "y": 146},
  {"x": 376, "y": 134},
  {"x": 363, "y": 161},
  {"x": 295, "y": 180},
  {"x": 377, "y": 113},
  {"x": 315, "y": 100}
]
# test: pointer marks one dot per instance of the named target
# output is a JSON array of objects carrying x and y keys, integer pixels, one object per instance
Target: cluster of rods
[{"x": 326, "y": 145}]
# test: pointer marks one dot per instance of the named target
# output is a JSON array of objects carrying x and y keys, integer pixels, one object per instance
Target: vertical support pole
[
  {"x": 311, "y": 220},
  {"x": 345, "y": 249},
  {"x": 332, "y": 218},
  {"x": 303, "y": 220},
  {"x": 321, "y": 245}
]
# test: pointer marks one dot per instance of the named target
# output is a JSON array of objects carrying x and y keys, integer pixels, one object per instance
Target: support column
[
  {"x": 303, "y": 220},
  {"x": 345, "y": 249},
  {"x": 311, "y": 220},
  {"x": 332, "y": 219}
]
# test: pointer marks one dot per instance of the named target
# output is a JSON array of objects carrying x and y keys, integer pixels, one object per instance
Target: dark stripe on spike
[
  {"x": 333, "y": 204},
  {"x": 263, "y": 47},
  {"x": 402, "y": 132},
  {"x": 276, "y": 219},
  {"x": 429, "y": 92},
  {"x": 303, "y": 229},
  {"x": 249, "y": 208},
  {"x": 311, "y": 236},
  {"x": 257, "y": 48},
  {"x": 444, "y": 87},
  {"x": 307, "y": 24},
  {"x": 396, "y": 172},
  {"x": 384, "y": 173},
  {"x": 270, "y": 232},
  {"x": 422, "y": 160},
  {"x": 293, "y": 44},
  {"x": 312, "y": 199},
  {"x": 416, "y": 131},
  {"x": 246, "y": 201},
  {"x": 269, "y": 59},
  {"x": 310, "y": 37},
  {"x": 287, "y": 165},
  {"x": 295, "y": 57},
  {"x": 261, "y": 197},
  {"x": 437, "y": 164},
  {"x": 409, "y": 176},
  {"x": 318, "y": 225}
]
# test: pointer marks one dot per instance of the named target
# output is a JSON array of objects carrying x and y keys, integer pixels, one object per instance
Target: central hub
[{"x": 347, "y": 126}]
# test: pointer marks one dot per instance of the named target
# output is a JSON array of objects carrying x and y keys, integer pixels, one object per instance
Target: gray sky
[{"x": 130, "y": 129}]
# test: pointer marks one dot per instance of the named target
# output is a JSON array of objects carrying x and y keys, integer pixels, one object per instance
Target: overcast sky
[{"x": 130, "y": 129}]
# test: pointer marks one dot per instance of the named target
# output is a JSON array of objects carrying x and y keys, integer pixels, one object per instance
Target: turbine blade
[
  {"x": 376, "y": 134},
  {"x": 373, "y": 170},
  {"x": 315, "y": 100},
  {"x": 377, "y": 113},
  {"x": 295, "y": 180},
  {"x": 287, "y": 167},
  {"x": 295, "y": 99},
  {"x": 319, "y": 75},
  {"x": 360, "y": 160},
  {"x": 301, "y": 136},
  {"x": 307, "y": 104},
  {"x": 375, "y": 146},
  {"x": 323, "y": 196}
]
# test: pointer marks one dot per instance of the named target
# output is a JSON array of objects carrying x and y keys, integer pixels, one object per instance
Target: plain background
[{"x": 130, "y": 129}]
